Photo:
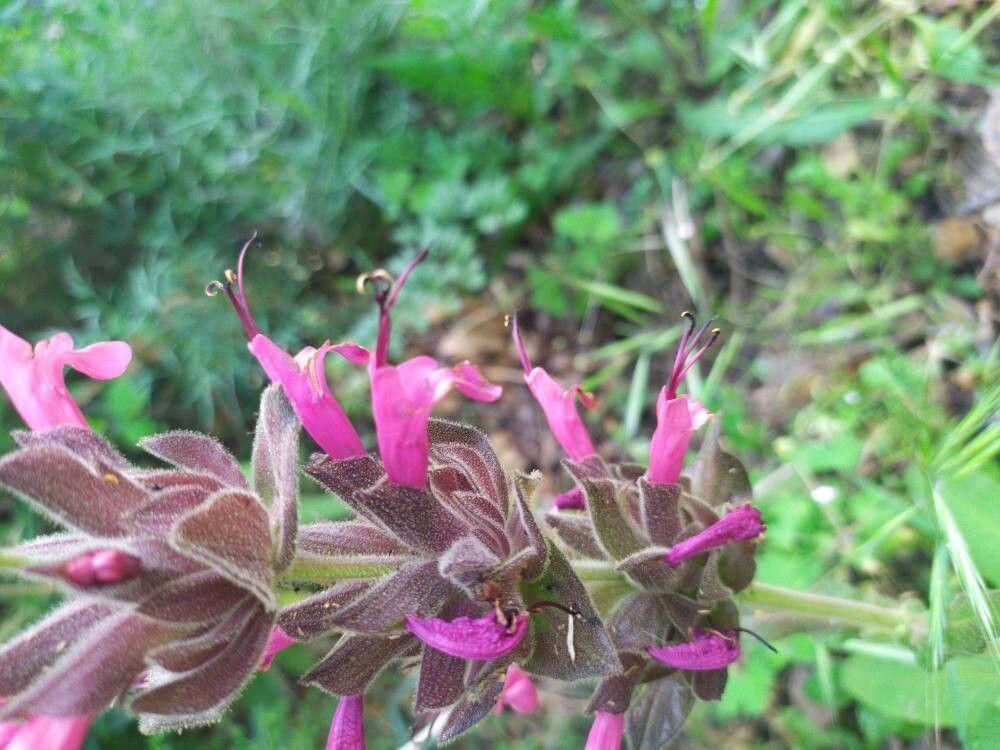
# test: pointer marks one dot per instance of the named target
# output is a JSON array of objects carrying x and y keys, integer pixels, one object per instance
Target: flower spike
[
  {"x": 677, "y": 417},
  {"x": 34, "y": 380},
  {"x": 403, "y": 395},
  {"x": 302, "y": 377},
  {"x": 558, "y": 403}
]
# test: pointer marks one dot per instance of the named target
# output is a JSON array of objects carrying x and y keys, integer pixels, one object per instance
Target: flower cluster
[
  {"x": 685, "y": 543},
  {"x": 172, "y": 574}
]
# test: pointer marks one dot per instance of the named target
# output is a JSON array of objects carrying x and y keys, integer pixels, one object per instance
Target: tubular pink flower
[
  {"x": 277, "y": 642},
  {"x": 304, "y": 382},
  {"x": 347, "y": 731},
  {"x": 103, "y": 567},
  {"x": 519, "y": 693},
  {"x": 34, "y": 379},
  {"x": 558, "y": 403},
  {"x": 606, "y": 732},
  {"x": 480, "y": 639},
  {"x": 709, "y": 650},
  {"x": 303, "y": 377},
  {"x": 45, "y": 732},
  {"x": 742, "y": 523},
  {"x": 404, "y": 395},
  {"x": 677, "y": 417},
  {"x": 572, "y": 500}
]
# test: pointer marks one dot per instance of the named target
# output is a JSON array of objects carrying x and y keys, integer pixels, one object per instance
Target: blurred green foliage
[{"x": 608, "y": 164}]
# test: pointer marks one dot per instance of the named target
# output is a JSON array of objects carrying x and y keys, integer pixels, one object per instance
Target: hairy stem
[
  {"x": 326, "y": 571},
  {"x": 601, "y": 576},
  {"x": 846, "y": 611}
]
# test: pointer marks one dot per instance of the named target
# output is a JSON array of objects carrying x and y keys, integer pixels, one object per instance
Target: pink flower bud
[
  {"x": 347, "y": 730},
  {"x": 519, "y": 692},
  {"x": 103, "y": 566},
  {"x": 277, "y": 642},
  {"x": 742, "y": 523},
  {"x": 572, "y": 500},
  {"x": 606, "y": 732},
  {"x": 709, "y": 650}
]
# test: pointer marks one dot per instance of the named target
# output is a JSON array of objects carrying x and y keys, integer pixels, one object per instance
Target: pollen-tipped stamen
[
  {"x": 689, "y": 351},
  {"x": 522, "y": 353},
  {"x": 233, "y": 287}
]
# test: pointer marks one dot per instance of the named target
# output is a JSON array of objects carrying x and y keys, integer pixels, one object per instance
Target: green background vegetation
[{"x": 802, "y": 169}]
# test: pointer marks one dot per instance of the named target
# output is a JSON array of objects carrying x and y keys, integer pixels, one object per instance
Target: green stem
[
  {"x": 600, "y": 574},
  {"x": 325, "y": 571},
  {"x": 832, "y": 607}
]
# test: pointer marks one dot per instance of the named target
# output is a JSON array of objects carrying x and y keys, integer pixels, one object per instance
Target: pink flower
[
  {"x": 35, "y": 382},
  {"x": 277, "y": 642},
  {"x": 708, "y": 651},
  {"x": 403, "y": 395},
  {"x": 606, "y": 732},
  {"x": 677, "y": 417},
  {"x": 558, "y": 403},
  {"x": 519, "y": 692},
  {"x": 480, "y": 639},
  {"x": 572, "y": 500},
  {"x": 102, "y": 567},
  {"x": 45, "y": 733},
  {"x": 347, "y": 731},
  {"x": 303, "y": 377},
  {"x": 304, "y": 382},
  {"x": 742, "y": 523}
]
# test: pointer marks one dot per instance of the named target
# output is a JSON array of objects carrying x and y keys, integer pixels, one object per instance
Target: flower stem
[
  {"x": 772, "y": 597},
  {"x": 323, "y": 572}
]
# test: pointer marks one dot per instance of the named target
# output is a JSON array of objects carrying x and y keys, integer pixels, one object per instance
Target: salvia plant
[{"x": 173, "y": 571}]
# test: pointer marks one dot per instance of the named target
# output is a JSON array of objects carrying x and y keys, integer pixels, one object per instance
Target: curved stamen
[
  {"x": 757, "y": 636},
  {"x": 233, "y": 287},
  {"x": 522, "y": 353},
  {"x": 386, "y": 291}
]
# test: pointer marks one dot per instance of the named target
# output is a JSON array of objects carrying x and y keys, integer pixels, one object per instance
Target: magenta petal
[
  {"x": 606, "y": 732},
  {"x": 670, "y": 440},
  {"x": 351, "y": 352},
  {"x": 50, "y": 733},
  {"x": 480, "y": 639},
  {"x": 742, "y": 523},
  {"x": 559, "y": 405},
  {"x": 572, "y": 500},
  {"x": 307, "y": 389},
  {"x": 471, "y": 383},
  {"x": 101, "y": 361},
  {"x": 708, "y": 651},
  {"x": 347, "y": 731},
  {"x": 519, "y": 691},
  {"x": 277, "y": 642}
]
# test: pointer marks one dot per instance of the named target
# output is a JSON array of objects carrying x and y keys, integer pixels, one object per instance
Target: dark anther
[{"x": 542, "y": 603}]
